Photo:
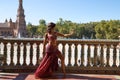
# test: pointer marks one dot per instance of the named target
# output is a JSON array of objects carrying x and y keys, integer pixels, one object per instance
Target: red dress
[{"x": 50, "y": 61}]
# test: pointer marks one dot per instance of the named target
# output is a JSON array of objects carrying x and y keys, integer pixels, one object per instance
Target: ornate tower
[{"x": 20, "y": 22}]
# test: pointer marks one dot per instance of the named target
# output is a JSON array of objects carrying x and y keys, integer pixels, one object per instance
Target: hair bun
[{"x": 51, "y": 24}]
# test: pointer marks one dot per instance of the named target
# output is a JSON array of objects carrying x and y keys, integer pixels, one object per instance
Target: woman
[{"x": 51, "y": 53}]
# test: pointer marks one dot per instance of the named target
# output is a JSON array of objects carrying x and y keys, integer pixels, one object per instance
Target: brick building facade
[{"x": 15, "y": 29}]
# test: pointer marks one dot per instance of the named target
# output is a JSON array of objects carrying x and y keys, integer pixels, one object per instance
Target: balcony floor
[{"x": 58, "y": 76}]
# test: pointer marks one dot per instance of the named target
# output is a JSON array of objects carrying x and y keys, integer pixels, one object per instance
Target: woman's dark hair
[{"x": 50, "y": 26}]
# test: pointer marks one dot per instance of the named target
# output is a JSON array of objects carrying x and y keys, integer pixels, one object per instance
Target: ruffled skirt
[{"x": 49, "y": 63}]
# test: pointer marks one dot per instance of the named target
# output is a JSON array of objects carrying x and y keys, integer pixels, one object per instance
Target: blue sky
[{"x": 80, "y": 11}]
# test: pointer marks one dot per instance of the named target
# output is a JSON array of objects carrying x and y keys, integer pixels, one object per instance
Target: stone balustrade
[{"x": 81, "y": 56}]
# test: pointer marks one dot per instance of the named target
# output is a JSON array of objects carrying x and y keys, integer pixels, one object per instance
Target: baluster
[
  {"x": 31, "y": 53},
  {"x": 108, "y": 55},
  {"x": 119, "y": 55},
  {"x": 18, "y": 54},
  {"x": 114, "y": 56},
  {"x": 63, "y": 51},
  {"x": 82, "y": 55},
  {"x": 11, "y": 55},
  {"x": 24, "y": 54},
  {"x": 69, "y": 55},
  {"x": 37, "y": 55},
  {"x": 76, "y": 55},
  {"x": 102, "y": 57},
  {"x": 88, "y": 56},
  {"x": 95, "y": 55},
  {"x": 5, "y": 54}
]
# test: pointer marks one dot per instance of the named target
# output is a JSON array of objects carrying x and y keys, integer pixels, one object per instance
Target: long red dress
[{"x": 50, "y": 61}]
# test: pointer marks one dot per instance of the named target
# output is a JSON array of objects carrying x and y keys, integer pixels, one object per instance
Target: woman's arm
[
  {"x": 44, "y": 43},
  {"x": 65, "y": 35}
]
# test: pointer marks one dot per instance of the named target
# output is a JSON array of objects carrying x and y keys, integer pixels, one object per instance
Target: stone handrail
[{"x": 81, "y": 56}]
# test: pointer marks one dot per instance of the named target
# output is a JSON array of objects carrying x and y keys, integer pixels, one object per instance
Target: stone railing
[{"x": 81, "y": 56}]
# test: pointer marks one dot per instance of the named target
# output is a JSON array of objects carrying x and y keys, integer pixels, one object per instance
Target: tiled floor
[{"x": 58, "y": 76}]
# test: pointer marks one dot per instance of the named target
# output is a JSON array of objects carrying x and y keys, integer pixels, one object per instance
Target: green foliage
[
  {"x": 100, "y": 30},
  {"x": 108, "y": 29}
]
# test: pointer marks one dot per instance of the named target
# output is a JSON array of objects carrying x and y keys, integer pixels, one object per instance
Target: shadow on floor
[
  {"x": 57, "y": 76},
  {"x": 80, "y": 77},
  {"x": 21, "y": 76}
]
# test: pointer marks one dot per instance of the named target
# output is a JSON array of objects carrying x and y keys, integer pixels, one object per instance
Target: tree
[
  {"x": 100, "y": 32},
  {"x": 29, "y": 29},
  {"x": 112, "y": 30},
  {"x": 95, "y": 30},
  {"x": 41, "y": 28}
]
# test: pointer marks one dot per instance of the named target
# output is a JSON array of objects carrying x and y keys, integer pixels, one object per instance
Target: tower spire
[
  {"x": 20, "y": 1},
  {"x": 21, "y": 23},
  {"x": 20, "y": 4}
]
